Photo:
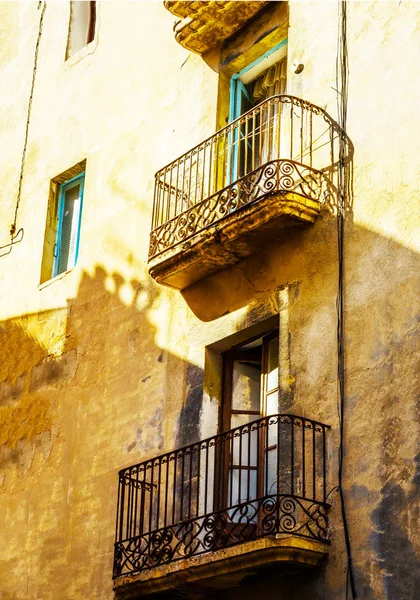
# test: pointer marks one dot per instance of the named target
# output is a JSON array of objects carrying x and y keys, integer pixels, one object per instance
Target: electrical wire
[
  {"x": 17, "y": 236},
  {"x": 14, "y": 239},
  {"x": 342, "y": 73}
]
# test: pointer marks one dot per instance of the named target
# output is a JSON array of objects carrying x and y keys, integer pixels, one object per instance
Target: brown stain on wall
[
  {"x": 25, "y": 421},
  {"x": 23, "y": 415}
]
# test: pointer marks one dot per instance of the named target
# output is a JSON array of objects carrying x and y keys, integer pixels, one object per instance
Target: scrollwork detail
[
  {"x": 274, "y": 176},
  {"x": 249, "y": 520}
]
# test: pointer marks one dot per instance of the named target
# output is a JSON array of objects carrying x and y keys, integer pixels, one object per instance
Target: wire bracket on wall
[{"x": 15, "y": 238}]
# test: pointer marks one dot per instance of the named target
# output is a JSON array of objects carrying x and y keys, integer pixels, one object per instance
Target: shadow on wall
[
  {"x": 69, "y": 420},
  {"x": 102, "y": 346},
  {"x": 398, "y": 555},
  {"x": 83, "y": 393},
  {"x": 382, "y": 382}
]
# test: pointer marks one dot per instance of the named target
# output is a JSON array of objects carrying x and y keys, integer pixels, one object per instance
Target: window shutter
[{"x": 69, "y": 229}]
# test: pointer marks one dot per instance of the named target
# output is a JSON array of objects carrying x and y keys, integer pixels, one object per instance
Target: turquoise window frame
[
  {"x": 237, "y": 92},
  {"x": 78, "y": 180},
  {"x": 236, "y": 83},
  {"x": 240, "y": 93}
]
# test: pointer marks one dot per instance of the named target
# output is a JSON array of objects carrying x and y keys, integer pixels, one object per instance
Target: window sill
[
  {"x": 49, "y": 282},
  {"x": 82, "y": 53}
]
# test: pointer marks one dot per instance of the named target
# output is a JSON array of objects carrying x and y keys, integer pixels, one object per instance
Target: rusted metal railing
[
  {"x": 266, "y": 477},
  {"x": 284, "y": 144}
]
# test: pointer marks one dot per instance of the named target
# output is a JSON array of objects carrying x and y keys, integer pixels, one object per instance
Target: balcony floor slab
[
  {"x": 238, "y": 235},
  {"x": 221, "y": 569},
  {"x": 205, "y": 25}
]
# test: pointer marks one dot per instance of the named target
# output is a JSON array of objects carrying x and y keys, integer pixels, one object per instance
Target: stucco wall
[{"x": 102, "y": 368}]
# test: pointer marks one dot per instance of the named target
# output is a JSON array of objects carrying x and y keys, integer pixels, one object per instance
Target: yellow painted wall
[{"x": 102, "y": 368}]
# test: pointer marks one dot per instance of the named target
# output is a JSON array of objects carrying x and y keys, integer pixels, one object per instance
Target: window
[
  {"x": 250, "y": 388},
  {"x": 62, "y": 233},
  {"x": 68, "y": 226},
  {"x": 255, "y": 141},
  {"x": 259, "y": 80},
  {"x": 82, "y": 26},
  {"x": 250, "y": 392}
]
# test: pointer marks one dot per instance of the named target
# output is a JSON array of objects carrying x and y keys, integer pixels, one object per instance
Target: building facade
[{"x": 209, "y": 300}]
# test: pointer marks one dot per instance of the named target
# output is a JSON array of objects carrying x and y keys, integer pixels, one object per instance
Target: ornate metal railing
[
  {"x": 263, "y": 478},
  {"x": 284, "y": 144}
]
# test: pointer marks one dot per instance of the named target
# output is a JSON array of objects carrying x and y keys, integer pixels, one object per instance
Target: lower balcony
[
  {"x": 204, "y": 517},
  {"x": 269, "y": 170}
]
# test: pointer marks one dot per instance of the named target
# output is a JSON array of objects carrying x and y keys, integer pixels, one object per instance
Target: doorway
[
  {"x": 255, "y": 139},
  {"x": 250, "y": 393}
]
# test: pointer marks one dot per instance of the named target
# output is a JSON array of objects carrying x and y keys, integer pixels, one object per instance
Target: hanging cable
[
  {"x": 17, "y": 236},
  {"x": 342, "y": 72},
  {"x": 14, "y": 239}
]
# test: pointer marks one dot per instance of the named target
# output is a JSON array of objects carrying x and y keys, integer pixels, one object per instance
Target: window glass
[
  {"x": 244, "y": 448},
  {"x": 82, "y": 25},
  {"x": 272, "y": 400},
  {"x": 68, "y": 227},
  {"x": 273, "y": 364},
  {"x": 246, "y": 378},
  {"x": 242, "y": 489},
  {"x": 251, "y": 381}
]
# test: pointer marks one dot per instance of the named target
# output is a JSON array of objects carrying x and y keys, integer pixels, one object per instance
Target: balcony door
[
  {"x": 250, "y": 393},
  {"x": 255, "y": 140}
]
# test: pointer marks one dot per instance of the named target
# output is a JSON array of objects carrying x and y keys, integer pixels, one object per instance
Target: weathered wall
[
  {"x": 86, "y": 359},
  {"x": 102, "y": 368}
]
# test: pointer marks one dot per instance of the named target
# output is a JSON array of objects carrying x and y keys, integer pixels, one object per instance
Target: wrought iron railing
[
  {"x": 284, "y": 144},
  {"x": 263, "y": 478}
]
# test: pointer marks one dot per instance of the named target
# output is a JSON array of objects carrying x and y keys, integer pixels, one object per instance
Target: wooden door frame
[
  {"x": 264, "y": 432},
  {"x": 224, "y": 456}
]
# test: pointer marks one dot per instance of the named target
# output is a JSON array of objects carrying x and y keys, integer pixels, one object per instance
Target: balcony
[
  {"x": 205, "y": 25},
  {"x": 207, "y": 515},
  {"x": 269, "y": 170}
]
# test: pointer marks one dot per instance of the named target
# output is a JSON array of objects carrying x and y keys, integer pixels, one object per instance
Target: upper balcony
[
  {"x": 270, "y": 169},
  {"x": 205, "y": 24},
  {"x": 205, "y": 516}
]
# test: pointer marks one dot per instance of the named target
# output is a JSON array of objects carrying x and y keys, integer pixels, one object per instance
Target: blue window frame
[
  {"x": 241, "y": 102},
  {"x": 70, "y": 203},
  {"x": 239, "y": 97}
]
